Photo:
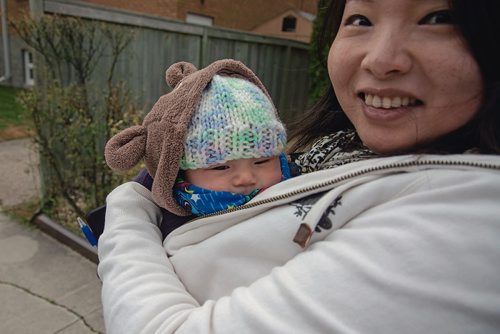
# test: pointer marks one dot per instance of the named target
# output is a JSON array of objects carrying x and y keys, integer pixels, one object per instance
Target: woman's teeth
[{"x": 388, "y": 102}]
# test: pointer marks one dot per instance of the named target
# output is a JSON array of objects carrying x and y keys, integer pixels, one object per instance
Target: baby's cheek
[{"x": 275, "y": 178}]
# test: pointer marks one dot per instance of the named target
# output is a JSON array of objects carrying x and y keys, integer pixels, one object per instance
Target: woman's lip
[
  {"x": 389, "y": 92},
  {"x": 380, "y": 114}
]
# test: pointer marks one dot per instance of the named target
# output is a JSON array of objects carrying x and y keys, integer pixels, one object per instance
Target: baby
[
  {"x": 211, "y": 144},
  {"x": 233, "y": 148}
]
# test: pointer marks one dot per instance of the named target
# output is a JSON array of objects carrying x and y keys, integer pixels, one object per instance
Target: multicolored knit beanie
[{"x": 234, "y": 120}]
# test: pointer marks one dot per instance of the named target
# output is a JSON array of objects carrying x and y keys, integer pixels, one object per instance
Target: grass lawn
[{"x": 15, "y": 122}]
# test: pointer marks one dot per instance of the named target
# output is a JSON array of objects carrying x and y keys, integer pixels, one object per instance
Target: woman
[{"x": 394, "y": 230}]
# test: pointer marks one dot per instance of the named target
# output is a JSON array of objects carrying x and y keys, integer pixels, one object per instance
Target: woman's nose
[{"x": 387, "y": 54}]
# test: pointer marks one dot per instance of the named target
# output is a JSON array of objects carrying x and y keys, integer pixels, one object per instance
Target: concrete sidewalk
[
  {"x": 45, "y": 287},
  {"x": 19, "y": 177}
]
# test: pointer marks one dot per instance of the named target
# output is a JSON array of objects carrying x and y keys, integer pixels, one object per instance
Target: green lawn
[{"x": 15, "y": 122}]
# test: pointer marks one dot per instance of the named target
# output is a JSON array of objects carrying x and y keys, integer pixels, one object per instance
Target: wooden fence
[{"x": 281, "y": 64}]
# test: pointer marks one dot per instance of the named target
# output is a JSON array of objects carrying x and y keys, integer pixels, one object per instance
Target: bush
[
  {"x": 74, "y": 113},
  {"x": 317, "y": 66}
]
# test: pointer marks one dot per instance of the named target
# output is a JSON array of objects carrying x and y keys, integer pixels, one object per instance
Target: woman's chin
[{"x": 387, "y": 144}]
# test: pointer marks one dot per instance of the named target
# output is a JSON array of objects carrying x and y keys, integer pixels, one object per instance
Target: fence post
[
  {"x": 36, "y": 8},
  {"x": 46, "y": 174},
  {"x": 286, "y": 71},
  {"x": 204, "y": 49}
]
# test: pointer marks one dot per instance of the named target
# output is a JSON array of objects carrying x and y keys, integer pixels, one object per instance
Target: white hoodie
[{"x": 407, "y": 244}]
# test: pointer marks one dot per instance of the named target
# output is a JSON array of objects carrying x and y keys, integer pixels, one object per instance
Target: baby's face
[{"x": 240, "y": 176}]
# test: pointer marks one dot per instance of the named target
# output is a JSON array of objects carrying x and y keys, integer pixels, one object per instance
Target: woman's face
[{"x": 401, "y": 72}]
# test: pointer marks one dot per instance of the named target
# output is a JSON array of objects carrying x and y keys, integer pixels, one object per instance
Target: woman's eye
[
  {"x": 221, "y": 167},
  {"x": 357, "y": 20},
  {"x": 439, "y": 17}
]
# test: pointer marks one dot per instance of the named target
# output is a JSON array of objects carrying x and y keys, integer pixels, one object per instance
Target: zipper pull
[{"x": 303, "y": 235}]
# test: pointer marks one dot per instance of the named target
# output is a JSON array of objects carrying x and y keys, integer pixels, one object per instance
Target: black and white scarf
[{"x": 334, "y": 150}]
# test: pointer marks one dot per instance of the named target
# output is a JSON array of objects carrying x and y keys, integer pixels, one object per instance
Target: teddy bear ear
[
  {"x": 178, "y": 71},
  {"x": 125, "y": 149}
]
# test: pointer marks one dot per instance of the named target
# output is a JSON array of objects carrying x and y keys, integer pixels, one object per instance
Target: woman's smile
[
  {"x": 387, "y": 105},
  {"x": 387, "y": 102}
]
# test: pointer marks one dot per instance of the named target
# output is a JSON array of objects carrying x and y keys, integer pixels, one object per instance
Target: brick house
[
  {"x": 291, "y": 19},
  {"x": 16, "y": 62},
  {"x": 279, "y": 18}
]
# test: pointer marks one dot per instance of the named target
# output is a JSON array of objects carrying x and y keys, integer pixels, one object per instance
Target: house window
[
  {"x": 29, "y": 76},
  {"x": 199, "y": 19},
  {"x": 289, "y": 24}
]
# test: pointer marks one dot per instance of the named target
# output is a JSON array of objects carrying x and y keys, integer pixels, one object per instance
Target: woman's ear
[
  {"x": 177, "y": 72},
  {"x": 124, "y": 150}
]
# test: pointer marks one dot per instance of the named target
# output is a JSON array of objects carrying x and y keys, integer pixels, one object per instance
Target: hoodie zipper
[{"x": 357, "y": 173}]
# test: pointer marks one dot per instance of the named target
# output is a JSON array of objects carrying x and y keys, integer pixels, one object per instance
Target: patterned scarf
[
  {"x": 334, "y": 150},
  {"x": 203, "y": 201}
]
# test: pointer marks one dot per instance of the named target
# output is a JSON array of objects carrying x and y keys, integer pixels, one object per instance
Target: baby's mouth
[{"x": 386, "y": 102}]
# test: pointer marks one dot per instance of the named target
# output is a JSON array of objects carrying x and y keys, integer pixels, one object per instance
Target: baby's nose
[{"x": 245, "y": 178}]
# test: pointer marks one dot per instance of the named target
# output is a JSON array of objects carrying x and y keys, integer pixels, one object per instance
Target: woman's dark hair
[
  {"x": 325, "y": 116},
  {"x": 476, "y": 21}
]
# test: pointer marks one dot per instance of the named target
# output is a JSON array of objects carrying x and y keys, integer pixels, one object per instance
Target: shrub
[
  {"x": 74, "y": 112},
  {"x": 317, "y": 65}
]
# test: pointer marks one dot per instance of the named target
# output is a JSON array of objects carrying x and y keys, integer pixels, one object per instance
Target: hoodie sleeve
[{"x": 140, "y": 289}]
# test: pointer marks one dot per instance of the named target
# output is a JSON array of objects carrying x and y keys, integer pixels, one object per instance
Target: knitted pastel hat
[
  {"x": 161, "y": 138},
  {"x": 234, "y": 120}
]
